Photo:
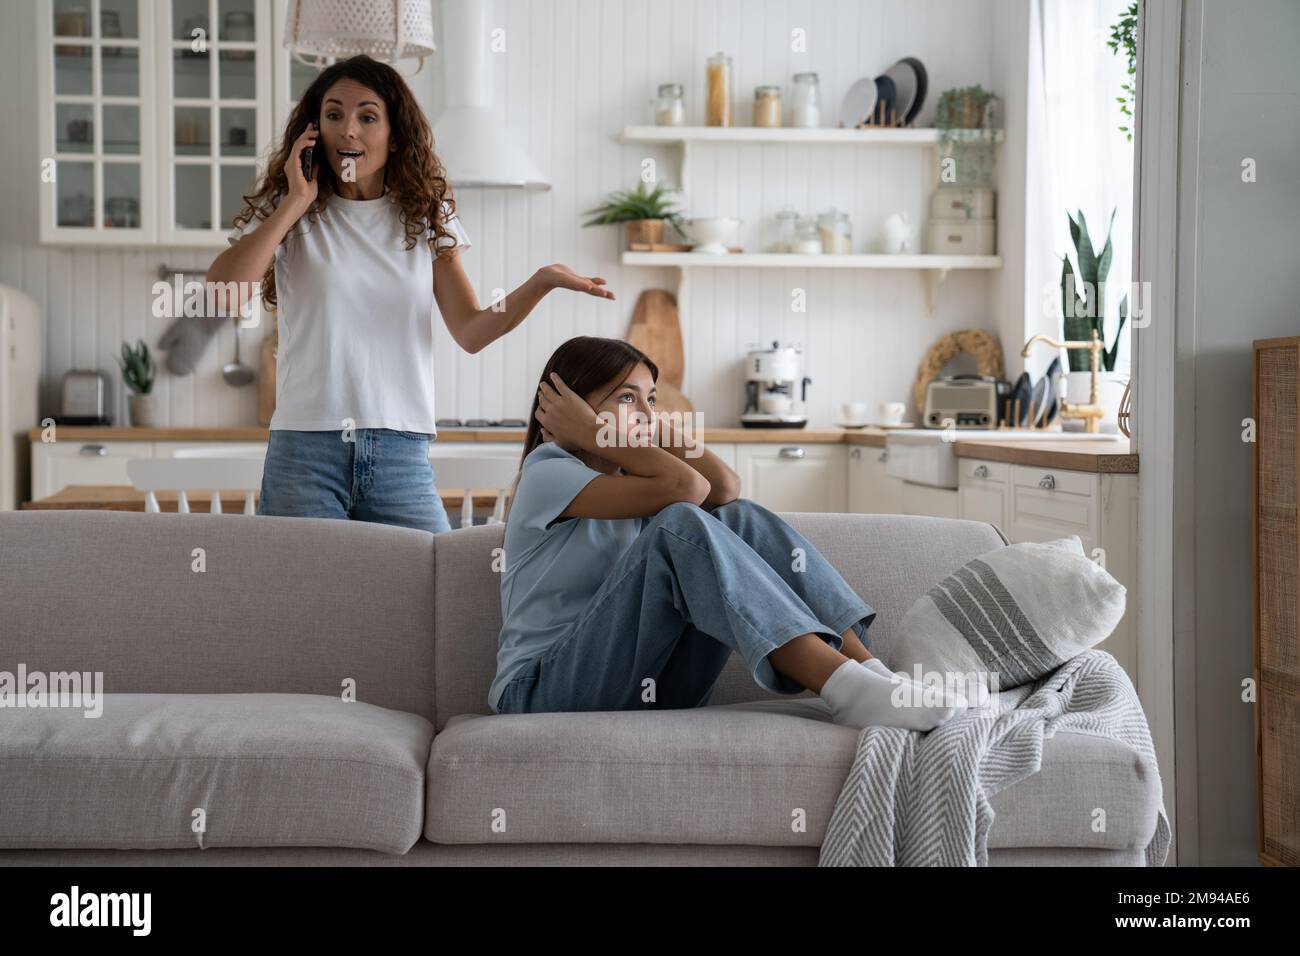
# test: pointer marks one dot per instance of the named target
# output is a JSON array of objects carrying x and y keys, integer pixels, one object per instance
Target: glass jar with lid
[
  {"x": 767, "y": 106},
  {"x": 806, "y": 102},
  {"x": 670, "y": 107},
  {"x": 717, "y": 103},
  {"x": 836, "y": 232},
  {"x": 783, "y": 225},
  {"x": 807, "y": 238}
]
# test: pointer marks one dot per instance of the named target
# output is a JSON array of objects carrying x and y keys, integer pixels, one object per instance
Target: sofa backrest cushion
[
  {"x": 890, "y": 560},
  {"x": 287, "y": 605}
]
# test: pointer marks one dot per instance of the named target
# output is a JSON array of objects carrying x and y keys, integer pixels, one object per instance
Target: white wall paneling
[{"x": 574, "y": 74}]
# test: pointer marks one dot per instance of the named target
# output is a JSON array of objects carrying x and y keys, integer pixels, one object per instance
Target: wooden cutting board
[
  {"x": 266, "y": 378},
  {"x": 656, "y": 331}
]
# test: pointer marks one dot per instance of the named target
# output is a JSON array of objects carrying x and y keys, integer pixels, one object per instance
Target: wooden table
[{"x": 128, "y": 498}]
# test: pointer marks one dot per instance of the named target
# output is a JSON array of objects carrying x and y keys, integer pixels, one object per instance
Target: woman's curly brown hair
[{"x": 414, "y": 176}]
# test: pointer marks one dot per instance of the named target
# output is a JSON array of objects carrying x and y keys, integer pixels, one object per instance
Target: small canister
[
  {"x": 767, "y": 106},
  {"x": 670, "y": 108}
]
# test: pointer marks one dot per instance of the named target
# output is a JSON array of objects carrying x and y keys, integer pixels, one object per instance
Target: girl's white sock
[{"x": 861, "y": 696}]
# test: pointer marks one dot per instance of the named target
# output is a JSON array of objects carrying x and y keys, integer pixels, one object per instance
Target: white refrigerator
[{"x": 20, "y": 375}]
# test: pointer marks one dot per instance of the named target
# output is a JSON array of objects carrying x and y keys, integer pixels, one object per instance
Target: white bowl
[{"x": 711, "y": 236}]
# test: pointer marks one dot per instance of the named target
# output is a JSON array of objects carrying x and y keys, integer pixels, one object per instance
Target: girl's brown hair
[
  {"x": 584, "y": 363},
  {"x": 415, "y": 178}
]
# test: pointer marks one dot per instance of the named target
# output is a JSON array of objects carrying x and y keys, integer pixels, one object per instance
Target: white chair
[
  {"x": 233, "y": 473},
  {"x": 470, "y": 474}
]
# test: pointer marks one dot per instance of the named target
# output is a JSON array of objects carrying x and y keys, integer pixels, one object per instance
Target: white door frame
[{"x": 1168, "y": 98}]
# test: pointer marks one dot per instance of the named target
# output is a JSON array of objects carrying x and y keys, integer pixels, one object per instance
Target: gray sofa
[{"x": 223, "y": 711}]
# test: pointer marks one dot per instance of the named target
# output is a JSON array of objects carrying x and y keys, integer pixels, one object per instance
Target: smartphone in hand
[{"x": 307, "y": 159}]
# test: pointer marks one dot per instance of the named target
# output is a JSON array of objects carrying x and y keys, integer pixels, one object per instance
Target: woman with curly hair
[{"x": 353, "y": 258}]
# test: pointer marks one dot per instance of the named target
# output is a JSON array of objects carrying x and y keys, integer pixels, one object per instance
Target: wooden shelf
[
  {"x": 933, "y": 268},
  {"x": 787, "y": 260},
  {"x": 904, "y": 136}
]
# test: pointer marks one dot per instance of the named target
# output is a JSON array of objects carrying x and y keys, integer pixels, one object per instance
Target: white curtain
[{"x": 1076, "y": 158}]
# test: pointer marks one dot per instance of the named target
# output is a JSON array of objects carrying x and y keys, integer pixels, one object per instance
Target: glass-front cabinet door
[
  {"x": 96, "y": 122},
  {"x": 214, "y": 113}
]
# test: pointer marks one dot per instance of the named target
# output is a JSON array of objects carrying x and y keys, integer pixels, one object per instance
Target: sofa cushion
[
  {"x": 266, "y": 769},
  {"x": 764, "y": 773},
  {"x": 279, "y": 605}
]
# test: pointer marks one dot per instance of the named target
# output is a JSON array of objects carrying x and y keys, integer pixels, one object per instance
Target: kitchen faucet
[{"x": 1090, "y": 411}]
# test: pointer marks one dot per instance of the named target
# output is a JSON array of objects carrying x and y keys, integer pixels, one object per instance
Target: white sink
[{"x": 921, "y": 455}]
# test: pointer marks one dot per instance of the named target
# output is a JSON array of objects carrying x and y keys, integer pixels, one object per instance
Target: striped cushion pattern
[{"x": 1010, "y": 616}]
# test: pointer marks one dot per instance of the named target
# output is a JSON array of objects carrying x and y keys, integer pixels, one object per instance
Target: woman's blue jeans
[
  {"x": 695, "y": 586},
  {"x": 383, "y": 475}
]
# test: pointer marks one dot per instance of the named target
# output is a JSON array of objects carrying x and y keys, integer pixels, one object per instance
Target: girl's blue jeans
[
  {"x": 695, "y": 586},
  {"x": 383, "y": 475}
]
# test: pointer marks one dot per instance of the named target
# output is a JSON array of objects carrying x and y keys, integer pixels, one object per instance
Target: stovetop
[{"x": 481, "y": 423}]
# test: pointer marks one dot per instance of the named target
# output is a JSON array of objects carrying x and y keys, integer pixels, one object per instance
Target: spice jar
[
  {"x": 806, "y": 102},
  {"x": 807, "y": 239},
  {"x": 836, "y": 232},
  {"x": 717, "y": 110},
  {"x": 670, "y": 109},
  {"x": 767, "y": 106}
]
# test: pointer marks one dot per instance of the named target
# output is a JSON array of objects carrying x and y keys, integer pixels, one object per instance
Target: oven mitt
[{"x": 186, "y": 339}]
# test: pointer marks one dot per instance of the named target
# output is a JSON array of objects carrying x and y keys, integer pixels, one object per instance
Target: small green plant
[
  {"x": 631, "y": 205},
  {"x": 137, "y": 367},
  {"x": 966, "y": 139},
  {"x": 1124, "y": 34},
  {"x": 1086, "y": 312}
]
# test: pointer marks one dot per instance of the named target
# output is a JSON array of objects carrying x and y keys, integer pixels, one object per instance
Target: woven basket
[{"x": 387, "y": 30}]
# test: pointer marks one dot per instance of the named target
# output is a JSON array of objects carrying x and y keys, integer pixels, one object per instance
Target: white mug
[
  {"x": 891, "y": 413},
  {"x": 854, "y": 413}
]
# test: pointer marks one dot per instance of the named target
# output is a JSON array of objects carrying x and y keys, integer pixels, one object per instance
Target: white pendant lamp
[{"x": 387, "y": 30}]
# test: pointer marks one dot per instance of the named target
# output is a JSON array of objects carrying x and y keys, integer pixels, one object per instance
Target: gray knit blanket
[{"x": 914, "y": 799}]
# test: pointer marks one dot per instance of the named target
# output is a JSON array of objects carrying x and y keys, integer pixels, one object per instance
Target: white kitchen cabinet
[
  {"x": 984, "y": 491},
  {"x": 156, "y": 116},
  {"x": 929, "y": 500},
  {"x": 726, "y": 451},
  {"x": 794, "y": 477},
  {"x": 872, "y": 490},
  {"x": 57, "y": 464},
  {"x": 209, "y": 449}
]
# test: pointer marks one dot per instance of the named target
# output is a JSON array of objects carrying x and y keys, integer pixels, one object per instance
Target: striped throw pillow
[{"x": 1009, "y": 617}]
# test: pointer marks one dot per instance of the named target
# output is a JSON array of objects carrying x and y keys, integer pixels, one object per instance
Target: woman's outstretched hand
[
  {"x": 564, "y": 415},
  {"x": 559, "y": 276}
]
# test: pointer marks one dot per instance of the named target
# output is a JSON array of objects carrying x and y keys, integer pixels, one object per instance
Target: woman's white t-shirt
[{"x": 355, "y": 318}]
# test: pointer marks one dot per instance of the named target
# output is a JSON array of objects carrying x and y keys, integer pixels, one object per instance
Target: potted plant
[
  {"x": 138, "y": 374},
  {"x": 1085, "y": 312},
  {"x": 644, "y": 213},
  {"x": 963, "y": 117}
]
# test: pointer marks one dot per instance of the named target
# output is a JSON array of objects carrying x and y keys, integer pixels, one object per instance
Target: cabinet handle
[
  {"x": 1047, "y": 481},
  {"x": 856, "y": 454},
  {"x": 884, "y": 457},
  {"x": 982, "y": 471},
  {"x": 792, "y": 453},
  {"x": 99, "y": 450}
]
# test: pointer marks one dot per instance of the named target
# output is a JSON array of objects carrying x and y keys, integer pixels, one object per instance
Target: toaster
[
  {"x": 83, "y": 398},
  {"x": 971, "y": 402}
]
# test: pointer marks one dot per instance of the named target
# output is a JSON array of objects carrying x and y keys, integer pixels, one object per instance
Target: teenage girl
[
  {"x": 633, "y": 569},
  {"x": 355, "y": 255}
]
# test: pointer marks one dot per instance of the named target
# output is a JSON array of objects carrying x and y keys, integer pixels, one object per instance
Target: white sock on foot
[{"x": 861, "y": 696}]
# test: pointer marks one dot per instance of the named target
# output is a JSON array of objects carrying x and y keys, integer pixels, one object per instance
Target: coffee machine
[{"x": 776, "y": 390}]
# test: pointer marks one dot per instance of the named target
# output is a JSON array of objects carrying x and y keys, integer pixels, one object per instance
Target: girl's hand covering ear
[{"x": 564, "y": 414}]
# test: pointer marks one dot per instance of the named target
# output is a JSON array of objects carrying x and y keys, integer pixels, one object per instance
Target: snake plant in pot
[
  {"x": 1083, "y": 303},
  {"x": 138, "y": 375}
]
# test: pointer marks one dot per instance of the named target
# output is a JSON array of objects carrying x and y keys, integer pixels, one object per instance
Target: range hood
[{"x": 471, "y": 137}]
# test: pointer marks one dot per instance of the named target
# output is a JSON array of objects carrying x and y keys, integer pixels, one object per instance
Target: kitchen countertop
[{"x": 1108, "y": 457}]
